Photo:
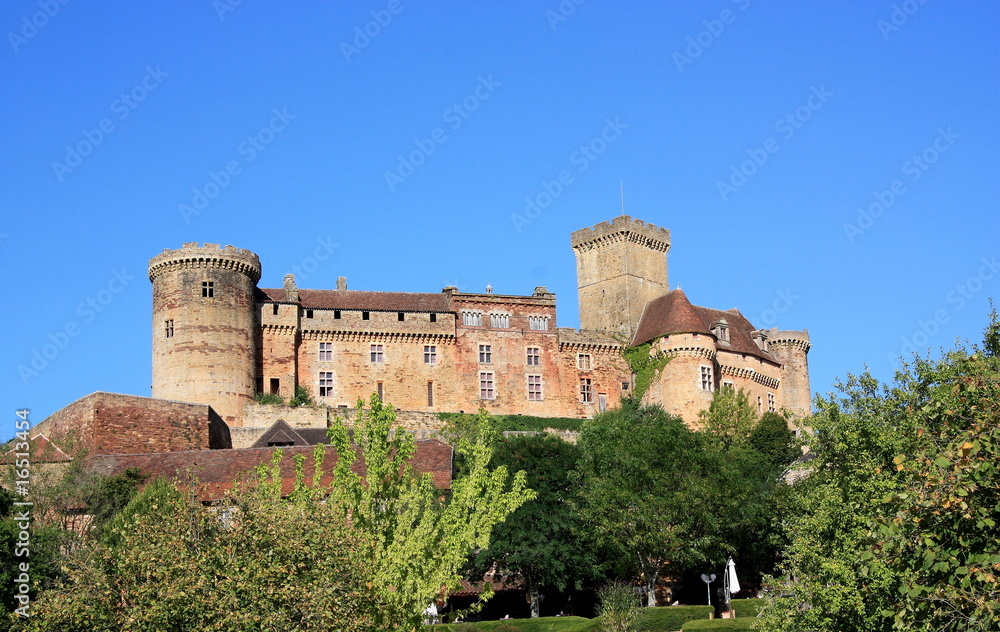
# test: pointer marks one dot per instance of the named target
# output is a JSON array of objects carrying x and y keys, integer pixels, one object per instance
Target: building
[{"x": 219, "y": 339}]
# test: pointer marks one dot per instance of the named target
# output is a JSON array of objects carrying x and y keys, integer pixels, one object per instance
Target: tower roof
[{"x": 673, "y": 313}]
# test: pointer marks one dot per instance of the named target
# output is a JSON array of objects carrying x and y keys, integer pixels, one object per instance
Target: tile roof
[
  {"x": 672, "y": 313},
  {"x": 364, "y": 300},
  {"x": 42, "y": 450},
  {"x": 216, "y": 470},
  {"x": 281, "y": 432}
]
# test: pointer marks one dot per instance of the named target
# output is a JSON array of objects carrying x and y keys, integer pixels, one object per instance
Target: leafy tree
[
  {"x": 256, "y": 563},
  {"x": 422, "y": 539},
  {"x": 730, "y": 417},
  {"x": 772, "y": 438},
  {"x": 541, "y": 544},
  {"x": 899, "y": 529},
  {"x": 646, "y": 489}
]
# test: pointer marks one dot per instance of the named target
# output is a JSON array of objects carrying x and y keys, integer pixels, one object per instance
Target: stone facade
[{"x": 218, "y": 339}]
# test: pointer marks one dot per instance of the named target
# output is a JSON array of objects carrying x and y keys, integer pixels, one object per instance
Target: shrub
[
  {"x": 302, "y": 397},
  {"x": 747, "y": 608},
  {"x": 670, "y": 617},
  {"x": 269, "y": 398},
  {"x": 719, "y": 624}
]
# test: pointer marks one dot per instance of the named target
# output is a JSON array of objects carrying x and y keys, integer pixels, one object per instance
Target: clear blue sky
[{"x": 835, "y": 105}]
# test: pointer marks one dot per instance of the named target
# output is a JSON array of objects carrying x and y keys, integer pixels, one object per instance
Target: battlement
[
  {"x": 623, "y": 227},
  {"x": 195, "y": 255},
  {"x": 788, "y": 337}
]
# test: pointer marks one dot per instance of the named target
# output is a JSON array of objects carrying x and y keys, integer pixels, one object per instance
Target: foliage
[
  {"x": 256, "y": 563},
  {"x": 646, "y": 489},
  {"x": 644, "y": 366},
  {"x": 110, "y": 495},
  {"x": 541, "y": 624},
  {"x": 719, "y": 624},
  {"x": 730, "y": 417},
  {"x": 619, "y": 607},
  {"x": 523, "y": 423},
  {"x": 899, "y": 531},
  {"x": 670, "y": 617},
  {"x": 301, "y": 398},
  {"x": 772, "y": 438},
  {"x": 272, "y": 399},
  {"x": 747, "y": 608},
  {"x": 540, "y": 544},
  {"x": 421, "y": 540}
]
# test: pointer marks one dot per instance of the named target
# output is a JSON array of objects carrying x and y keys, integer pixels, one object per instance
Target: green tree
[
  {"x": 729, "y": 416},
  {"x": 422, "y": 537},
  {"x": 541, "y": 544},
  {"x": 256, "y": 563},
  {"x": 899, "y": 523},
  {"x": 647, "y": 490},
  {"x": 772, "y": 438}
]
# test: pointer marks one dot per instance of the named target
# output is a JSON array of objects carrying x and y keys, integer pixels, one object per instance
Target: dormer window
[{"x": 721, "y": 330}]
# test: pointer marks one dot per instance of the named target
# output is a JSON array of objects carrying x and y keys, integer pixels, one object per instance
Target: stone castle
[{"x": 219, "y": 339}]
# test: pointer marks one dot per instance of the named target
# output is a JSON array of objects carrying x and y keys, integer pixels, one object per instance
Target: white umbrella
[{"x": 734, "y": 583}]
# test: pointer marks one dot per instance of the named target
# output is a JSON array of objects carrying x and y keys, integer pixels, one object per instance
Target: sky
[{"x": 830, "y": 167}]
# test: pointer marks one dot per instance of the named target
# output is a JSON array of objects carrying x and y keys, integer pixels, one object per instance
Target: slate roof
[
  {"x": 673, "y": 313},
  {"x": 364, "y": 300},
  {"x": 215, "y": 470},
  {"x": 281, "y": 432}
]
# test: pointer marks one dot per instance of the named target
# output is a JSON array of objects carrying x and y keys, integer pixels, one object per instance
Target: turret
[
  {"x": 204, "y": 326},
  {"x": 621, "y": 266},
  {"x": 791, "y": 348}
]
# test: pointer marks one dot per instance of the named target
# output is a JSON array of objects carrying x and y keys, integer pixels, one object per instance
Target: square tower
[{"x": 620, "y": 266}]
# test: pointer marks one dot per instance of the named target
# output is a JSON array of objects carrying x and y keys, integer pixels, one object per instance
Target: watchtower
[
  {"x": 204, "y": 326},
  {"x": 621, "y": 265}
]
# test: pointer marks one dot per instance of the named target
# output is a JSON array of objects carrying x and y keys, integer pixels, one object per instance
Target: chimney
[
  {"x": 341, "y": 283},
  {"x": 291, "y": 291}
]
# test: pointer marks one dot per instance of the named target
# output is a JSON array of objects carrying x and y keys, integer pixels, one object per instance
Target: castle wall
[
  {"x": 792, "y": 349},
  {"x": 111, "y": 423}
]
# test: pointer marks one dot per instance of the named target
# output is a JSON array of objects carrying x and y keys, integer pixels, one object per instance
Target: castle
[{"x": 218, "y": 339}]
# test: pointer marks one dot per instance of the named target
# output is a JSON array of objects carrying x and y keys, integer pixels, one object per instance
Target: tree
[
  {"x": 256, "y": 563},
  {"x": 899, "y": 526},
  {"x": 772, "y": 438},
  {"x": 422, "y": 538},
  {"x": 729, "y": 417},
  {"x": 646, "y": 490},
  {"x": 541, "y": 544}
]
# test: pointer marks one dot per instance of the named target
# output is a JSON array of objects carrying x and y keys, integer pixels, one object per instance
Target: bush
[
  {"x": 270, "y": 399},
  {"x": 719, "y": 624},
  {"x": 619, "y": 607},
  {"x": 747, "y": 608},
  {"x": 670, "y": 617},
  {"x": 539, "y": 624},
  {"x": 524, "y": 422},
  {"x": 302, "y": 397}
]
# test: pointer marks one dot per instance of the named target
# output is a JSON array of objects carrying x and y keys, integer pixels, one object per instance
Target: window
[
  {"x": 533, "y": 356},
  {"x": 169, "y": 325},
  {"x": 434, "y": 318},
  {"x": 583, "y": 361},
  {"x": 472, "y": 319},
  {"x": 534, "y": 388},
  {"x": 207, "y": 289},
  {"x": 365, "y": 316},
  {"x": 728, "y": 385},
  {"x": 485, "y": 354},
  {"x": 400, "y": 316},
  {"x": 325, "y": 383},
  {"x": 378, "y": 354},
  {"x": 430, "y": 393},
  {"x": 500, "y": 321},
  {"x": 430, "y": 354},
  {"x": 707, "y": 381},
  {"x": 325, "y": 351},
  {"x": 309, "y": 313},
  {"x": 336, "y": 314},
  {"x": 602, "y": 402},
  {"x": 760, "y": 404},
  {"x": 586, "y": 390},
  {"x": 770, "y": 403},
  {"x": 274, "y": 309},
  {"x": 723, "y": 334},
  {"x": 625, "y": 386},
  {"x": 380, "y": 391},
  {"x": 538, "y": 323},
  {"x": 721, "y": 330},
  {"x": 486, "y": 389},
  {"x": 275, "y": 385}
]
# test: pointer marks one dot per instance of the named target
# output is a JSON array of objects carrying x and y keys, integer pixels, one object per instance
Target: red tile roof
[
  {"x": 42, "y": 450},
  {"x": 672, "y": 313},
  {"x": 363, "y": 300},
  {"x": 216, "y": 470}
]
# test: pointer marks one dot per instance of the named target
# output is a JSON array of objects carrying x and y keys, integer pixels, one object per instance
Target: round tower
[
  {"x": 204, "y": 325},
  {"x": 791, "y": 348}
]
